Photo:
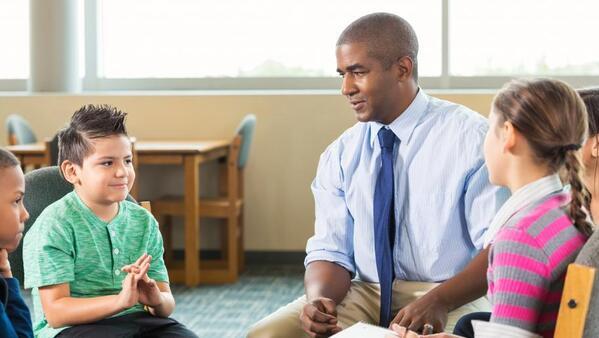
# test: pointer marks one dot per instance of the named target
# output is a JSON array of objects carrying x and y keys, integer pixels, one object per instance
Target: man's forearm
[
  {"x": 326, "y": 279},
  {"x": 466, "y": 286}
]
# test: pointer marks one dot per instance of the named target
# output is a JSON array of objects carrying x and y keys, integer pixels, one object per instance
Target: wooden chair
[
  {"x": 579, "y": 305},
  {"x": 51, "y": 151},
  {"x": 227, "y": 206}
]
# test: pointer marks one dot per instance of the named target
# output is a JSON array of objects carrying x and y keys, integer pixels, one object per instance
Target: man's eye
[{"x": 107, "y": 163}]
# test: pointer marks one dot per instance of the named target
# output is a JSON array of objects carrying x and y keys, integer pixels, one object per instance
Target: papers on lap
[
  {"x": 484, "y": 329},
  {"x": 361, "y": 330}
]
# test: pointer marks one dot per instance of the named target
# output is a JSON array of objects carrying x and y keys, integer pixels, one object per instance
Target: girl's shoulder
[{"x": 541, "y": 214}]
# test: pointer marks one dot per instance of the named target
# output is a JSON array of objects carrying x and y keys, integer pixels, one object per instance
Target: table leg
[{"x": 192, "y": 220}]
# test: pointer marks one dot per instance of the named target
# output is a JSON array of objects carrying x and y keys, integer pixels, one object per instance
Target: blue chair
[
  {"x": 19, "y": 131},
  {"x": 228, "y": 206}
]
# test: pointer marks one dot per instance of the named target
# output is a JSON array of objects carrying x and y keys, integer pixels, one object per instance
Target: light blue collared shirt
[{"x": 443, "y": 199}]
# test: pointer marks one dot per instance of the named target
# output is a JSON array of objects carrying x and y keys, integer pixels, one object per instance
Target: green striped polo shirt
[{"x": 68, "y": 243}]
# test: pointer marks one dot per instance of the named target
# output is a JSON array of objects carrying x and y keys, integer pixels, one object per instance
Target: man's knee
[{"x": 276, "y": 328}]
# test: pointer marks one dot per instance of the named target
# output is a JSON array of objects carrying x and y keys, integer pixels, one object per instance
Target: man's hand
[
  {"x": 319, "y": 317},
  {"x": 402, "y": 332},
  {"x": 426, "y": 310},
  {"x": 5, "y": 264}
]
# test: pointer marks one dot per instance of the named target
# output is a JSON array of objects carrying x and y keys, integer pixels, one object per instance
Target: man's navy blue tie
[{"x": 384, "y": 223}]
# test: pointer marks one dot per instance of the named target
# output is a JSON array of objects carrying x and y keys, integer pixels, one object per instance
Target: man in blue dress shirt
[{"x": 402, "y": 200}]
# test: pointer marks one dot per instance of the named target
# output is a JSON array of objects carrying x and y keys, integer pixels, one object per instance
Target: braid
[{"x": 580, "y": 196}]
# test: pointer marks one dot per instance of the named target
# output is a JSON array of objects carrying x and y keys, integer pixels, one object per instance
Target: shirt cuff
[{"x": 331, "y": 256}]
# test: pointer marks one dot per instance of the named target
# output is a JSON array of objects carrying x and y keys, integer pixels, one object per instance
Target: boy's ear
[
  {"x": 509, "y": 136},
  {"x": 70, "y": 171}
]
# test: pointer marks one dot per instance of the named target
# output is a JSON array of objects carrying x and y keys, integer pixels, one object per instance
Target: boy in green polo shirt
[{"x": 92, "y": 258}]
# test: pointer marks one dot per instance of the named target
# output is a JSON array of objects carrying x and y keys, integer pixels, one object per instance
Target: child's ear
[
  {"x": 509, "y": 136},
  {"x": 70, "y": 171},
  {"x": 595, "y": 148}
]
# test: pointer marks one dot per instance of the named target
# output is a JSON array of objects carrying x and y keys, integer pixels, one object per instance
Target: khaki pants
[{"x": 360, "y": 304}]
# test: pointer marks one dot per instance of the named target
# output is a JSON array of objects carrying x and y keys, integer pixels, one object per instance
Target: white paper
[
  {"x": 361, "y": 330},
  {"x": 483, "y": 329}
]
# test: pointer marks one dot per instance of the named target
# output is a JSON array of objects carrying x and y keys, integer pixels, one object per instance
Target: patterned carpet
[{"x": 227, "y": 311}]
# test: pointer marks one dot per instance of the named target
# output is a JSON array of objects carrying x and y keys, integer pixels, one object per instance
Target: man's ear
[
  {"x": 70, "y": 172},
  {"x": 509, "y": 135},
  {"x": 405, "y": 67}
]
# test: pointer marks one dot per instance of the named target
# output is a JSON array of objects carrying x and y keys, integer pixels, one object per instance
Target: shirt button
[
  {"x": 116, "y": 251},
  {"x": 117, "y": 272},
  {"x": 112, "y": 233}
]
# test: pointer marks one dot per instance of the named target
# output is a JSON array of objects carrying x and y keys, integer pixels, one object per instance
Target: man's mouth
[{"x": 357, "y": 104}]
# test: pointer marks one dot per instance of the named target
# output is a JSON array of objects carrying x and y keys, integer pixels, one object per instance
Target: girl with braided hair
[{"x": 536, "y": 129}]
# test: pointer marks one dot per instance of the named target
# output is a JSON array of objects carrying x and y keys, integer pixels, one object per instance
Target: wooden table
[
  {"x": 189, "y": 154},
  {"x": 31, "y": 154}
]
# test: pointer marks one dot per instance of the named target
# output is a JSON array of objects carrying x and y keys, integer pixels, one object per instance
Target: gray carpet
[{"x": 227, "y": 311}]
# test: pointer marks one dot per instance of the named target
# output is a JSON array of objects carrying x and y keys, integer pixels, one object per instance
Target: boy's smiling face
[
  {"x": 12, "y": 211},
  {"x": 106, "y": 175}
]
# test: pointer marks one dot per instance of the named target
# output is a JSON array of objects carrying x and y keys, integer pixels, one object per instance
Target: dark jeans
[
  {"x": 134, "y": 325},
  {"x": 464, "y": 325}
]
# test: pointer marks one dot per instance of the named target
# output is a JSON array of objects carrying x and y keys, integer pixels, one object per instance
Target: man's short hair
[
  {"x": 88, "y": 123},
  {"x": 8, "y": 159},
  {"x": 388, "y": 36}
]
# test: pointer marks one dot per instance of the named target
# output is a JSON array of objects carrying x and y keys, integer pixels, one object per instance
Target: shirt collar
[
  {"x": 91, "y": 216},
  {"x": 403, "y": 126},
  {"x": 523, "y": 197}
]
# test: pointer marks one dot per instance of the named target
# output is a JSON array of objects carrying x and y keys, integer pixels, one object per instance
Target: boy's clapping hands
[{"x": 139, "y": 285}]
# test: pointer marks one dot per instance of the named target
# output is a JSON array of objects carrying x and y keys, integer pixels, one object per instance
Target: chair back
[
  {"x": 19, "y": 131},
  {"x": 246, "y": 131},
  {"x": 42, "y": 187},
  {"x": 579, "y": 306},
  {"x": 52, "y": 146}
]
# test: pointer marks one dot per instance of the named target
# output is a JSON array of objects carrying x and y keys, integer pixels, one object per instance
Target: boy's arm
[
  {"x": 61, "y": 309},
  {"x": 17, "y": 310},
  {"x": 17, "y": 320},
  {"x": 167, "y": 303}
]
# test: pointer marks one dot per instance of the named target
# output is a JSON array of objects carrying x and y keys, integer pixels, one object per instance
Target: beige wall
[{"x": 292, "y": 130}]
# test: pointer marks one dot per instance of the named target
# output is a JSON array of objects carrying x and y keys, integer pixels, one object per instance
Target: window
[
  {"x": 237, "y": 38},
  {"x": 523, "y": 37},
  {"x": 14, "y": 39},
  {"x": 283, "y": 44}
]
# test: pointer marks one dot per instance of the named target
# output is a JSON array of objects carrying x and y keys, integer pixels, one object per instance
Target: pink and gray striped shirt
[{"x": 527, "y": 265}]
